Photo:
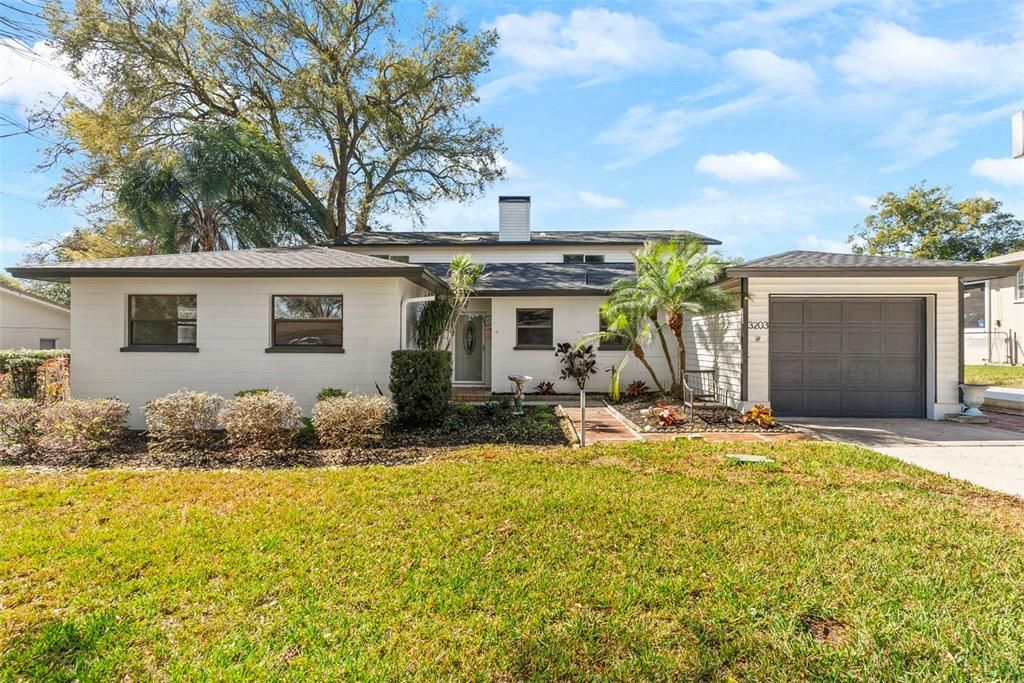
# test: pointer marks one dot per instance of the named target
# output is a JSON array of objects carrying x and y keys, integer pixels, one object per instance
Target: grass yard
[
  {"x": 639, "y": 562},
  {"x": 995, "y": 375}
]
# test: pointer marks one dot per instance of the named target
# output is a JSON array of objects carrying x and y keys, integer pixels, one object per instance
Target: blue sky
[{"x": 768, "y": 125}]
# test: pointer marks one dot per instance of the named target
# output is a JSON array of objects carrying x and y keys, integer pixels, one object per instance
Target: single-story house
[
  {"x": 816, "y": 334},
  {"x": 28, "y": 321},
  {"x": 994, "y": 315}
]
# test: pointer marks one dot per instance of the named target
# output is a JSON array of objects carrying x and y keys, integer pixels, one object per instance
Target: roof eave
[{"x": 973, "y": 271}]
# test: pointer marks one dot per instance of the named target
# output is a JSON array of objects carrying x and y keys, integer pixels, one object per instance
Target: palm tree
[
  {"x": 673, "y": 279},
  {"x": 225, "y": 189},
  {"x": 629, "y": 324}
]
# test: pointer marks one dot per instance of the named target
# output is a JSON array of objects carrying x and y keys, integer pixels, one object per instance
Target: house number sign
[{"x": 757, "y": 324}]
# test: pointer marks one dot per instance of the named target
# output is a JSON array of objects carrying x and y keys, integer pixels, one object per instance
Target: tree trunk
[
  {"x": 639, "y": 353},
  {"x": 665, "y": 350}
]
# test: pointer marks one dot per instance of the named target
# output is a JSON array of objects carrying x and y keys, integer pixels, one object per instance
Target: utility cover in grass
[{"x": 741, "y": 458}]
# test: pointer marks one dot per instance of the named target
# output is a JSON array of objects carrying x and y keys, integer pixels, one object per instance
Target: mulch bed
[
  {"x": 704, "y": 419},
  {"x": 466, "y": 425}
]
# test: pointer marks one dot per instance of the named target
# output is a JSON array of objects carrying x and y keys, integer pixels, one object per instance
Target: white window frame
[
  {"x": 1018, "y": 291},
  {"x": 403, "y": 342}
]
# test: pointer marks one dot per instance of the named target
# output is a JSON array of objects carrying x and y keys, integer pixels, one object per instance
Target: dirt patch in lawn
[
  {"x": 824, "y": 629},
  {"x": 465, "y": 425}
]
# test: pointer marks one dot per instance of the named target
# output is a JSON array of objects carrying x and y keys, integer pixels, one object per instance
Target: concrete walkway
[{"x": 981, "y": 454}]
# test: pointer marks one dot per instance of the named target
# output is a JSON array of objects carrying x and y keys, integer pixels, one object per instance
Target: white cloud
[
  {"x": 863, "y": 201},
  {"x": 768, "y": 69},
  {"x": 918, "y": 135},
  {"x": 815, "y": 243},
  {"x": 13, "y": 245},
  {"x": 592, "y": 42},
  {"x": 600, "y": 201},
  {"x": 889, "y": 54},
  {"x": 31, "y": 76},
  {"x": 644, "y": 131},
  {"x": 745, "y": 167},
  {"x": 512, "y": 169},
  {"x": 713, "y": 193},
  {"x": 1003, "y": 171}
]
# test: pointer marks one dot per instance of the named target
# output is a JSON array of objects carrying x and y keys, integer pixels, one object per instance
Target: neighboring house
[
  {"x": 818, "y": 334},
  {"x": 994, "y": 315},
  {"x": 28, "y": 321}
]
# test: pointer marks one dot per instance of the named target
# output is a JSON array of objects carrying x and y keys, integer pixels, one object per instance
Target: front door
[{"x": 468, "y": 348}]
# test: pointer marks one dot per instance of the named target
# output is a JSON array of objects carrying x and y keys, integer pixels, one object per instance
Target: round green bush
[{"x": 421, "y": 385}]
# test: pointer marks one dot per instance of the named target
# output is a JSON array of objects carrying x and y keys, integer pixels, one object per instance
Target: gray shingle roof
[
  {"x": 819, "y": 263},
  {"x": 507, "y": 279},
  {"x": 287, "y": 261},
  {"x": 31, "y": 295},
  {"x": 543, "y": 237}
]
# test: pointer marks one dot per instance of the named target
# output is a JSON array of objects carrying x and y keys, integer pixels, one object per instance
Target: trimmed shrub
[
  {"x": 268, "y": 420},
  {"x": 331, "y": 392},
  {"x": 19, "y": 418},
  {"x": 259, "y": 391},
  {"x": 6, "y": 386},
  {"x": 351, "y": 420},
  {"x": 421, "y": 384},
  {"x": 22, "y": 364},
  {"x": 83, "y": 425},
  {"x": 184, "y": 421},
  {"x": 53, "y": 380}
]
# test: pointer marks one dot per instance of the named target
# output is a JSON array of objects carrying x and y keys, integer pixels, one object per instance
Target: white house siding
[
  {"x": 574, "y": 316},
  {"x": 1004, "y": 320},
  {"x": 715, "y": 342},
  {"x": 233, "y": 332},
  {"x": 942, "y": 299},
  {"x": 525, "y": 253},
  {"x": 25, "y": 321}
]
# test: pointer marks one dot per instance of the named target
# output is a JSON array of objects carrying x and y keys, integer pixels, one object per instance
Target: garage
[
  {"x": 847, "y": 357},
  {"x": 853, "y": 335}
]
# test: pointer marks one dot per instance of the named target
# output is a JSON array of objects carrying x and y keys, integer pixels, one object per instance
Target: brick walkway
[
  {"x": 604, "y": 427},
  {"x": 1011, "y": 422}
]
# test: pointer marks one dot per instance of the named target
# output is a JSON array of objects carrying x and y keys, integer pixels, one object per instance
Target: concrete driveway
[{"x": 981, "y": 454}]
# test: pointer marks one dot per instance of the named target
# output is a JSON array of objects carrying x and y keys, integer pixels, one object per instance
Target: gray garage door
[{"x": 847, "y": 357}]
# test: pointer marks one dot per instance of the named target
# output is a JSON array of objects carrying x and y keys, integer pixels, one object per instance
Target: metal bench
[{"x": 701, "y": 388}]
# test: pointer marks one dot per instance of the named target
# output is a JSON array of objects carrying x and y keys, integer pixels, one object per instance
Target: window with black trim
[
  {"x": 582, "y": 258},
  {"x": 162, "y": 320},
  {"x": 617, "y": 342},
  {"x": 303, "y": 321},
  {"x": 391, "y": 257},
  {"x": 535, "y": 328},
  {"x": 47, "y": 344}
]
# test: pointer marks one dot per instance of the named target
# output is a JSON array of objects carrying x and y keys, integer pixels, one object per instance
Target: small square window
[
  {"x": 617, "y": 342},
  {"x": 47, "y": 344},
  {"x": 162, "y": 320},
  {"x": 535, "y": 328}
]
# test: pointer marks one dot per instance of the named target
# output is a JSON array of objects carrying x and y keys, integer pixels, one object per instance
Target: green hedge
[
  {"x": 421, "y": 384},
  {"x": 31, "y": 355},
  {"x": 21, "y": 366}
]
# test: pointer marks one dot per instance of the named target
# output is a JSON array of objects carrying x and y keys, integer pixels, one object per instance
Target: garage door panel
[
  {"x": 862, "y": 402},
  {"x": 861, "y": 370},
  {"x": 903, "y": 403},
  {"x": 788, "y": 370},
  {"x": 901, "y": 372},
  {"x": 822, "y": 370},
  {"x": 787, "y": 311},
  {"x": 823, "y": 341},
  {"x": 863, "y": 341},
  {"x": 852, "y": 356},
  {"x": 788, "y": 401},
  {"x": 863, "y": 312},
  {"x": 817, "y": 311},
  {"x": 788, "y": 341},
  {"x": 821, "y": 402},
  {"x": 903, "y": 341},
  {"x": 903, "y": 311}
]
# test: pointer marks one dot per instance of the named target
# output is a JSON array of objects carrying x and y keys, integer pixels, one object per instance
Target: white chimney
[{"x": 513, "y": 219}]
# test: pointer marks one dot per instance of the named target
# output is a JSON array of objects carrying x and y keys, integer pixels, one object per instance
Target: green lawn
[
  {"x": 640, "y": 562},
  {"x": 995, "y": 375}
]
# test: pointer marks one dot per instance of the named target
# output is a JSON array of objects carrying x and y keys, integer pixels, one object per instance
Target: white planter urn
[{"x": 974, "y": 396}]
